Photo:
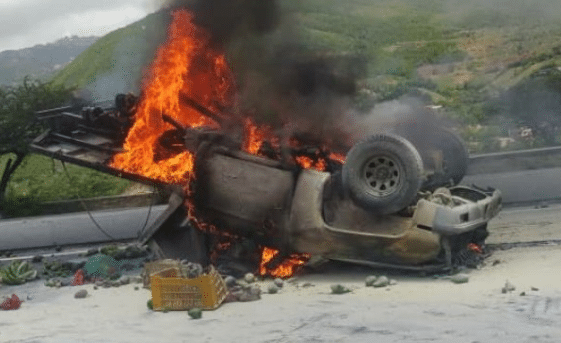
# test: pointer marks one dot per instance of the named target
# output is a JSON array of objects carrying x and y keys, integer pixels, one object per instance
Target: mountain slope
[{"x": 40, "y": 61}]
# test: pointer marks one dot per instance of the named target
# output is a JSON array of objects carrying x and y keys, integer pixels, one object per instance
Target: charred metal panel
[{"x": 244, "y": 195}]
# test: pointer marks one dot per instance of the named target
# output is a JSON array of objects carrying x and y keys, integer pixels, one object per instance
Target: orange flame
[
  {"x": 184, "y": 65},
  {"x": 286, "y": 268}
]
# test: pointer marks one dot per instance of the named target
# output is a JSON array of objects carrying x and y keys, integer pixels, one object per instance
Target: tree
[{"x": 18, "y": 125}]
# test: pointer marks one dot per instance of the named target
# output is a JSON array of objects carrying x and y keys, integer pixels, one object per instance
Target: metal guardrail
[{"x": 530, "y": 159}]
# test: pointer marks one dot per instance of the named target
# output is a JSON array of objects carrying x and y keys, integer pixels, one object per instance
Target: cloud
[{"x": 28, "y": 22}]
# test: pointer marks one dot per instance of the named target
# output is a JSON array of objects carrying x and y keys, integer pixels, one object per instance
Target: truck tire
[
  {"x": 454, "y": 153},
  {"x": 383, "y": 173},
  {"x": 455, "y": 157}
]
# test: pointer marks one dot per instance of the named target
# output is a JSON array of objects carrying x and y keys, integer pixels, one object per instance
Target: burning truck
[{"x": 390, "y": 200}]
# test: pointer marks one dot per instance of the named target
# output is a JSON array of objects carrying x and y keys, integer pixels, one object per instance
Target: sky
[{"x": 25, "y": 23}]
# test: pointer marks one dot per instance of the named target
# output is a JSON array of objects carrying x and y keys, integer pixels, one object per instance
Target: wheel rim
[{"x": 382, "y": 175}]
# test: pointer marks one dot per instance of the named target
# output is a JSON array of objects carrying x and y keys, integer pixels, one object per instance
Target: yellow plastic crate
[
  {"x": 157, "y": 267},
  {"x": 170, "y": 292}
]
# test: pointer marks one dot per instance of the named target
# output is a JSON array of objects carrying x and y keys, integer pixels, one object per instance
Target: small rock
[
  {"x": 252, "y": 293},
  {"x": 535, "y": 289},
  {"x": 243, "y": 284},
  {"x": 37, "y": 259},
  {"x": 508, "y": 287},
  {"x": 249, "y": 278},
  {"x": 125, "y": 280},
  {"x": 393, "y": 282},
  {"x": 307, "y": 284},
  {"x": 195, "y": 313},
  {"x": 231, "y": 297},
  {"x": 339, "y": 289},
  {"x": 370, "y": 280},
  {"x": 279, "y": 282},
  {"x": 81, "y": 294},
  {"x": 522, "y": 294},
  {"x": 495, "y": 262},
  {"x": 95, "y": 288},
  {"x": 459, "y": 278},
  {"x": 99, "y": 283},
  {"x": 273, "y": 289},
  {"x": 382, "y": 281},
  {"x": 136, "y": 288},
  {"x": 65, "y": 283},
  {"x": 230, "y": 281}
]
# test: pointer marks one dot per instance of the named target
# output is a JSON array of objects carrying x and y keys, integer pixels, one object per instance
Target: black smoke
[{"x": 281, "y": 80}]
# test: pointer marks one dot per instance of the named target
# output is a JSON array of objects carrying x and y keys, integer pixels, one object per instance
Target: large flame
[{"x": 184, "y": 66}]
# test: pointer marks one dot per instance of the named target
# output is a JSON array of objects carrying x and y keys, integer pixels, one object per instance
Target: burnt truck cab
[{"x": 306, "y": 211}]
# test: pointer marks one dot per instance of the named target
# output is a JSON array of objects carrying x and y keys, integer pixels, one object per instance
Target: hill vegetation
[
  {"x": 41, "y": 61},
  {"x": 462, "y": 55}
]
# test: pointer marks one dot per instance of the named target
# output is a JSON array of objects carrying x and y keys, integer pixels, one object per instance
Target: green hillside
[{"x": 464, "y": 55}]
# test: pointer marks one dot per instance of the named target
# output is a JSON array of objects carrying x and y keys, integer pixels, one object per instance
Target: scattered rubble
[
  {"x": 370, "y": 280},
  {"x": 249, "y": 278},
  {"x": 272, "y": 289},
  {"x": 508, "y": 287},
  {"x": 81, "y": 294},
  {"x": 459, "y": 278},
  {"x": 230, "y": 281},
  {"x": 279, "y": 282},
  {"x": 382, "y": 281},
  {"x": 339, "y": 289}
]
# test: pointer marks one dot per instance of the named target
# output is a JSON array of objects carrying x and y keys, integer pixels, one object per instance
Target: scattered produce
[
  {"x": 17, "y": 273},
  {"x": 52, "y": 269},
  {"x": 12, "y": 303},
  {"x": 195, "y": 313},
  {"x": 78, "y": 278}
]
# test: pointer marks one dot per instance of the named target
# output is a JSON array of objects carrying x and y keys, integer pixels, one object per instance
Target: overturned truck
[{"x": 393, "y": 203}]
